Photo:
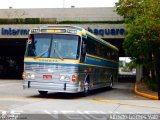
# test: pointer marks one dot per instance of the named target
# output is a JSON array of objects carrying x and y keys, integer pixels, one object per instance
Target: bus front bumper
[{"x": 52, "y": 87}]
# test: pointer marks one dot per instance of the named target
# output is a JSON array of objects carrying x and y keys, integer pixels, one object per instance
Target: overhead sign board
[
  {"x": 101, "y": 30},
  {"x": 11, "y": 31}
]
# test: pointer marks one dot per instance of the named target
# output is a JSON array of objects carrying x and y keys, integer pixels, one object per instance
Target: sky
[{"x": 5, "y": 4}]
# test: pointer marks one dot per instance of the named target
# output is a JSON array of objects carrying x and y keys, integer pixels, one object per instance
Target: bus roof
[{"x": 84, "y": 33}]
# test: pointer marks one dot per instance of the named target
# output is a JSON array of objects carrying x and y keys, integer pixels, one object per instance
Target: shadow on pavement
[{"x": 72, "y": 95}]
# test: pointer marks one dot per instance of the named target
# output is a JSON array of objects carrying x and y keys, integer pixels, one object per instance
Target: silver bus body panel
[
  {"x": 97, "y": 77},
  {"x": 51, "y": 86}
]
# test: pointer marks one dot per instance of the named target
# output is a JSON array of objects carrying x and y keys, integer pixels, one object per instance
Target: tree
[{"x": 142, "y": 39}]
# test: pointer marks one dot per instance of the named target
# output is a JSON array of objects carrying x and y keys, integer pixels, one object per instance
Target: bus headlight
[
  {"x": 65, "y": 78},
  {"x": 30, "y": 76}
]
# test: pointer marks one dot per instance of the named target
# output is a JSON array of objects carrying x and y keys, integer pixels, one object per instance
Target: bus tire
[{"x": 43, "y": 93}]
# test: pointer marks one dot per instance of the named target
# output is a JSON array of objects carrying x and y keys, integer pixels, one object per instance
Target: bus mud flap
[
  {"x": 65, "y": 86},
  {"x": 29, "y": 82}
]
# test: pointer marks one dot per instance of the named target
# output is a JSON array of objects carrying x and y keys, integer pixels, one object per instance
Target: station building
[{"x": 15, "y": 25}]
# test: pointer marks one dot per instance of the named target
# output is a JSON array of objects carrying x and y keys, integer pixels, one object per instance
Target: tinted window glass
[{"x": 38, "y": 45}]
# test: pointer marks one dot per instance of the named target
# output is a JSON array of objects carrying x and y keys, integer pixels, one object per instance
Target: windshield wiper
[
  {"x": 57, "y": 52},
  {"x": 42, "y": 53}
]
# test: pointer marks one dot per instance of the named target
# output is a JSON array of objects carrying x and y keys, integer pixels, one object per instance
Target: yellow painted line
[
  {"x": 144, "y": 94},
  {"x": 131, "y": 105},
  {"x": 103, "y": 100}
]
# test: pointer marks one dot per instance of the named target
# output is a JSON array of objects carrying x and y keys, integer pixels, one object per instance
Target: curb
[{"x": 144, "y": 94}]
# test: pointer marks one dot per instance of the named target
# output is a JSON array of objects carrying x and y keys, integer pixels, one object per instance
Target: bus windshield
[{"x": 53, "y": 46}]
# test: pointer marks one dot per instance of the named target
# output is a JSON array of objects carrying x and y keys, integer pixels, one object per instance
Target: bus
[{"x": 68, "y": 59}]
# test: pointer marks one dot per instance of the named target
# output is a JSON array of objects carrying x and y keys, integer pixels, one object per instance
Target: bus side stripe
[{"x": 64, "y": 64}]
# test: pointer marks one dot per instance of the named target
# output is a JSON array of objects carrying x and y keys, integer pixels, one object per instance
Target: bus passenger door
[{"x": 83, "y": 51}]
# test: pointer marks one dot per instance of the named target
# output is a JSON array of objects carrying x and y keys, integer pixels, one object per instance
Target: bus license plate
[{"x": 46, "y": 77}]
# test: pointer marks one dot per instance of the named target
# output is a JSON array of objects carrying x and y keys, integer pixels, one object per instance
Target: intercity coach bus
[{"x": 68, "y": 59}]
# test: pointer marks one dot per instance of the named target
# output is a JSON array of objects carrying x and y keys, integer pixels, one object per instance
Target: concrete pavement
[{"x": 120, "y": 100}]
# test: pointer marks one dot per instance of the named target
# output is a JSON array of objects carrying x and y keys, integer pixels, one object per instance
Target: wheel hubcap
[{"x": 86, "y": 87}]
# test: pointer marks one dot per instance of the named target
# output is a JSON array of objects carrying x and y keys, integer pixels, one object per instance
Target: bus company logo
[
  {"x": 102, "y": 32},
  {"x": 11, "y": 31}
]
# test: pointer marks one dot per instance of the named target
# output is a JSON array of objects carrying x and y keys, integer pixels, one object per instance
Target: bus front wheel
[
  {"x": 43, "y": 93},
  {"x": 85, "y": 91}
]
